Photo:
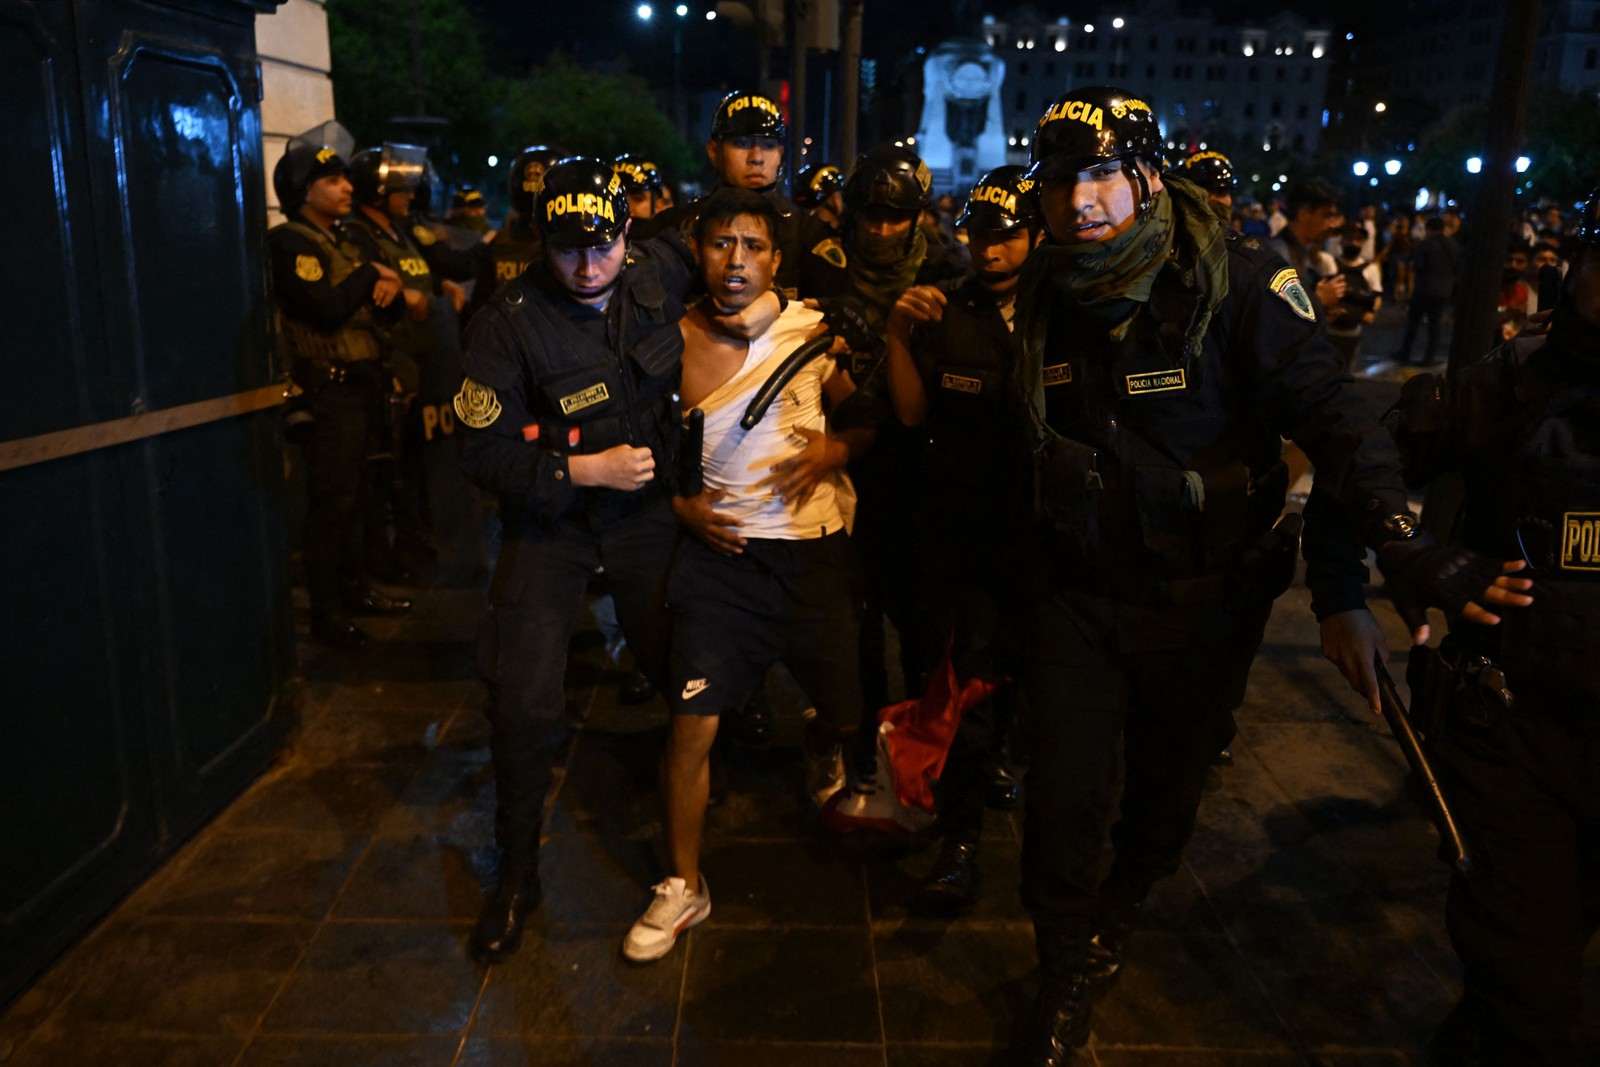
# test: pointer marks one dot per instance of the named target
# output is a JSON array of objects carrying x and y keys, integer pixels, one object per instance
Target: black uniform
[
  {"x": 812, "y": 263},
  {"x": 1154, "y": 608},
  {"x": 1523, "y": 428},
  {"x": 548, "y": 377},
  {"x": 969, "y": 519},
  {"x": 507, "y": 256},
  {"x": 333, "y": 335}
]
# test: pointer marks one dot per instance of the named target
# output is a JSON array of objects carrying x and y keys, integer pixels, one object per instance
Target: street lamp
[
  {"x": 1474, "y": 164},
  {"x": 1523, "y": 163},
  {"x": 1380, "y": 107},
  {"x": 1392, "y": 167},
  {"x": 644, "y": 11},
  {"x": 1359, "y": 168}
]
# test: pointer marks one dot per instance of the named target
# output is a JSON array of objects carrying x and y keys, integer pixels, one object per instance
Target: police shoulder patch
[
  {"x": 308, "y": 268},
  {"x": 832, "y": 251},
  {"x": 424, "y": 236},
  {"x": 1286, "y": 284},
  {"x": 477, "y": 405}
]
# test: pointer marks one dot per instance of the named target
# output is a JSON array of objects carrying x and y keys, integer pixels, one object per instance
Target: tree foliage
[
  {"x": 581, "y": 111},
  {"x": 373, "y": 79},
  {"x": 1562, "y": 139}
]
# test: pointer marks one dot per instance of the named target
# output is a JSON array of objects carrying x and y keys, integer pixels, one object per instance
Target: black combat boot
[
  {"x": 1061, "y": 1013},
  {"x": 1109, "y": 947},
  {"x": 499, "y": 930},
  {"x": 952, "y": 884}
]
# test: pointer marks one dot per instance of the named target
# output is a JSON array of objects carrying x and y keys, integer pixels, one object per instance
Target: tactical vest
[
  {"x": 1153, "y": 467},
  {"x": 401, "y": 254},
  {"x": 584, "y": 397},
  {"x": 1538, "y": 498},
  {"x": 972, "y": 438},
  {"x": 358, "y": 338}
]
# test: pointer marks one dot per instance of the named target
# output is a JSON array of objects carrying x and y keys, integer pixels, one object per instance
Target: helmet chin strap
[{"x": 1140, "y": 184}]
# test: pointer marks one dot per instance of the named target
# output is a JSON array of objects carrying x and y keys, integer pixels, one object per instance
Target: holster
[{"x": 1452, "y": 688}]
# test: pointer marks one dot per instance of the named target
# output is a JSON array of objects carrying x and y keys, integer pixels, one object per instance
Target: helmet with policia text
[
  {"x": 1211, "y": 171},
  {"x": 466, "y": 196},
  {"x": 816, "y": 182},
  {"x": 1589, "y": 221},
  {"x": 639, "y": 175},
  {"x": 1002, "y": 200},
  {"x": 308, "y": 158},
  {"x": 889, "y": 177},
  {"x": 1090, "y": 127},
  {"x": 744, "y": 114},
  {"x": 581, "y": 204},
  {"x": 528, "y": 169},
  {"x": 393, "y": 168}
]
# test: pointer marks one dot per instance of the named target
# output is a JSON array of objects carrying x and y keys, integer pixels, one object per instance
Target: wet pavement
[{"x": 322, "y": 918}]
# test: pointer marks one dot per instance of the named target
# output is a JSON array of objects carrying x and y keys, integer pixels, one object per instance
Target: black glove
[
  {"x": 1422, "y": 574},
  {"x": 844, "y": 316}
]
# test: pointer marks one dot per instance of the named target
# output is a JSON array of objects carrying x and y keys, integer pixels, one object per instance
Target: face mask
[
  {"x": 879, "y": 251},
  {"x": 1352, "y": 251}
]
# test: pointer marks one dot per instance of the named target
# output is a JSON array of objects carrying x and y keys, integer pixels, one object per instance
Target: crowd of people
[{"x": 1037, "y": 427}]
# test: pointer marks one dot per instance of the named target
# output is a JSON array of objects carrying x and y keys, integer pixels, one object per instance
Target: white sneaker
[{"x": 672, "y": 912}]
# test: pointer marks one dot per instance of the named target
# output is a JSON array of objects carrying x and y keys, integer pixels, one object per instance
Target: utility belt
[
  {"x": 312, "y": 375},
  {"x": 1453, "y": 685},
  {"x": 1206, "y": 530},
  {"x": 347, "y": 345}
]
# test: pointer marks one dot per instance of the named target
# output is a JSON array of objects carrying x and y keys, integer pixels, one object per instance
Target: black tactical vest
[
  {"x": 585, "y": 397},
  {"x": 401, "y": 254},
  {"x": 358, "y": 338}
]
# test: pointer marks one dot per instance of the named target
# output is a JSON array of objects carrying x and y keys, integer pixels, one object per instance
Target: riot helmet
[
  {"x": 1211, "y": 171},
  {"x": 743, "y": 114},
  {"x": 1001, "y": 200},
  {"x": 393, "y": 168},
  {"x": 1086, "y": 128},
  {"x": 527, "y": 175},
  {"x": 1589, "y": 222},
  {"x": 815, "y": 183},
  {"x": 581, "y": 204},
  {"x": 466, "y": 197},
  {"x": 639, "y": 175},
  {"x": 308, "y": 158},
  {"x": 889, "y": 177}
]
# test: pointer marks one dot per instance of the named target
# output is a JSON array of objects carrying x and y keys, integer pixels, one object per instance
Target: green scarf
[
  {"x": 1111, "y": 280},
  {"x": 880, "y": 269}
]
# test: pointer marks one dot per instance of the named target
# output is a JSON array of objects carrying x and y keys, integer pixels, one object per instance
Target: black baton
[
  {"x": 691, "y": 471},
  {"x": 1399, "y": 720},
  {"x": 781, "y": 377}
]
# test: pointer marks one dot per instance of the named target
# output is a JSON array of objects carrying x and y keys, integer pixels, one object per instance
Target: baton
[
  {"x": 691, "y": 471},
  {"x": 1399, "y": 720},
  {"x": 781, "y": 377}
]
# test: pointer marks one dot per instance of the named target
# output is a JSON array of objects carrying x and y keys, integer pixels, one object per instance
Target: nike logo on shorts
[{"x": 695, "y": 688}]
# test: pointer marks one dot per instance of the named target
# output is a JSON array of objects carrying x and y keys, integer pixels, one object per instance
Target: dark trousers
[
  {"x": 1125, "y": 709},
  {"x": 1431, "y": 307},
  {"x": 535, "y": 600},
  {"x": 339, "y": 484},
  {"x": 1526, "y": 790}
]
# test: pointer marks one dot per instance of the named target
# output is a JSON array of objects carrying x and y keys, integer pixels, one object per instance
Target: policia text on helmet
[
  {"x": 746, "y": 143},
  {"x": 581, "y": 211},
  {"x": 1096, "y": 159},
  {"x": 1003, "y": 226}
]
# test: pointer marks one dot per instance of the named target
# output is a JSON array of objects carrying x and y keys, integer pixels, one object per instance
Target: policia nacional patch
[
  {"x": 476, "y": 405},
  {"x": 424, "y": 236},
  {"x": 830, "y": 250},
  {"x": 308, "y": 268},
  {"x": 1286, "y": 283}
]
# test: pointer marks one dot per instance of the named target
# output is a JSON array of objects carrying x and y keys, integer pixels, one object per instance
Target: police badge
[
  {"x": 308, "y": 268},
  {"x": 423, "y": 235},
  {"x": 476, "y": 405}
]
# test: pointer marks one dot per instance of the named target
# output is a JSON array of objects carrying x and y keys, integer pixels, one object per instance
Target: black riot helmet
[
  {"x": 302, "y": 166},
  {"x": 816, "y": 182},
  {"x": 743, "y": 114},
  {"x": 639, "y": 175},
  {"x": 1002, "y": 200},
  {"x": 889, "y": 177},
  {"x": 1211, "y": 171},
  {"x": 1089, "y": 127},
  {"x": 1589, "y": 221},
  {"x": 528, "y": 169},
  {"x": 393, "y": 168},
  {"x": 581, "y": 204}
]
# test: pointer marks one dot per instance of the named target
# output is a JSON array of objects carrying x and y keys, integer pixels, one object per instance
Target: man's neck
[
  {"x": 316, "y": 218},
  {"x": 380, "y": 217},
  {"x": 706, "y": 314}
]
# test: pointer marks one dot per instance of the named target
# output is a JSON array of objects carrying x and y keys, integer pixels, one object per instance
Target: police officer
[
  {"x": 568, "y": 413},
  {"x": 1162, "y": 359},
  {"x": 641, "y": 180},
  {"x": 1213, "y": 172},
  {"x": 335, "y": 304},
  {"x": 950, "y": 369},
  {"x": 469, "y": 211},
  {"x": 746, "y": 151},
  {"x": 819, "y": 189},
  {"x": 1514, "y": 687},
  {"x": 518, "y": 243}
]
